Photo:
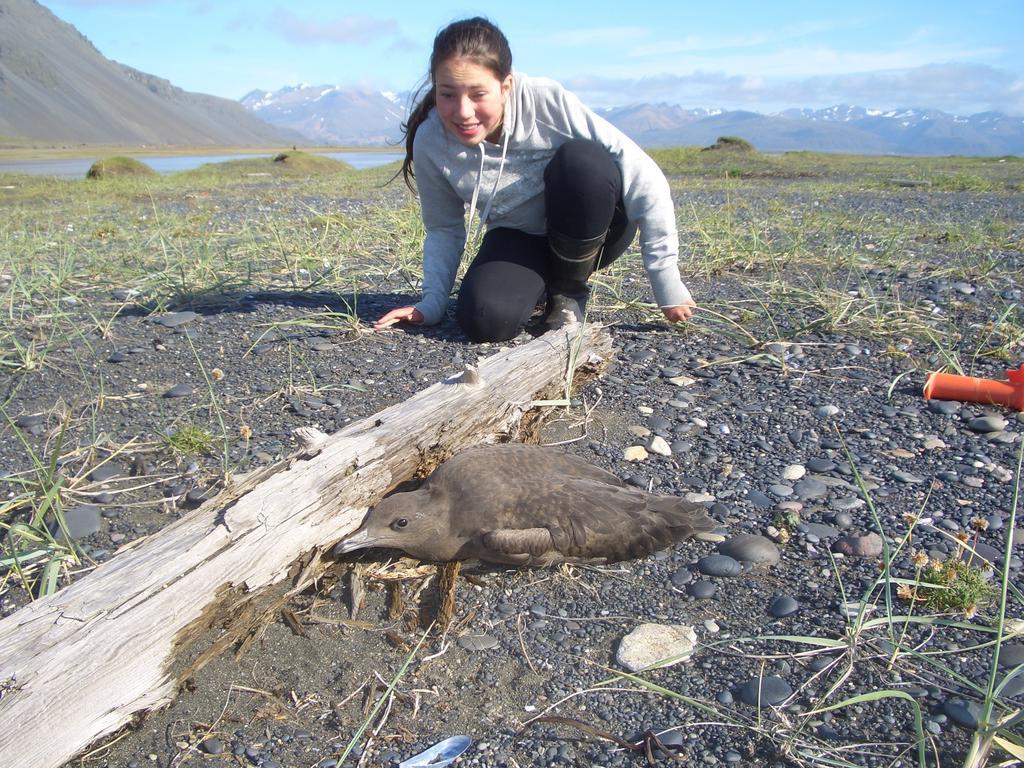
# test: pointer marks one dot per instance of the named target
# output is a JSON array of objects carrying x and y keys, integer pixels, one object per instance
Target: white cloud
[
  {"x": 706, "y": 43},
  {"x": 956, "y": 87}
]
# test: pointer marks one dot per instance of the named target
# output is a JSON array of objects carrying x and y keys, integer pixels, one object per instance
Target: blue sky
[{"x": 956, "y": 56}]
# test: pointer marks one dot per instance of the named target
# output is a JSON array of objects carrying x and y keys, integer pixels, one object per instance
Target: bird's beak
[{"x": 361, "y": 539}]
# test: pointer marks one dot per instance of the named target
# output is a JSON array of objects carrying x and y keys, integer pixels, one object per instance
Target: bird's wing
[
  {"x": 617, "y": 523},
  {"x": 524, "y": 541}
]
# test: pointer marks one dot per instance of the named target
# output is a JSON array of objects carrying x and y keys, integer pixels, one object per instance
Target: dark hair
[{"x": 476, "y": 39}]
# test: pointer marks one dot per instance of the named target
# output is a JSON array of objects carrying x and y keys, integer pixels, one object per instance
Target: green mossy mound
[
  {"x": 306, "y": 162},
  {"x": 291, "y": 163},
  {"x": 118, "y": 167},
  {"x": 731, "y": 144}
]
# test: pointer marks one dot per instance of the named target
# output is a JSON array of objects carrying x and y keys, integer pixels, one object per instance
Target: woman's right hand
[{"x": 402, "y": 314}]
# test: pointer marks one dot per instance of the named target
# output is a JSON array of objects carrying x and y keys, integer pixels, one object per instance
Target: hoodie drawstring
[{"x": 473, "y": 236}]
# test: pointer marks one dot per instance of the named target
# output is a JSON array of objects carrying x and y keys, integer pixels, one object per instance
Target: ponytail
[{"x": 409, "y": 127}]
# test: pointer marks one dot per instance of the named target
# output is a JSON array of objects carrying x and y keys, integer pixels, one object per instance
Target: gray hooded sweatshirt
[{"x": 506, "y": 183}]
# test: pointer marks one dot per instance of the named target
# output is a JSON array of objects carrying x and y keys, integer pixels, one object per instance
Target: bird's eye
[{"x": 400, "y": 523}]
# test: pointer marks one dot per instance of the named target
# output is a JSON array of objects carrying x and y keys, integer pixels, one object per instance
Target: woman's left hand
[{"x": 680, "y": 314}]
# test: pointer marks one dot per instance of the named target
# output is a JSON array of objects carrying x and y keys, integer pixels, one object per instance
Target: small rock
[
  {"x": 702, "y": 590},
  {"x": 963, "y": 713},
  {"x": 750, "y": 548},
  {"x": 105, "y": 472},
  {"x": 175, "y": 319},
  {"x": 766, "y": 692},
  {"x": 719, "y": 565},
  {"x": 794, "y": 472},
  {"x": 179, "y": 390},
  {"x": 863, "y": 545},
  {"x": 987, "y": 424},
  {"x": 810, "y": 488},
  {"x": 659, "y": 446},
  {"x": 827, "y": 411},
  {"x": 635, "y": 453},
  {"x": 782, "y": 606},
  {"x": 475, "y": 643},
  {"x": 649, "y": 644},
  {"x": 212, "y": 746},
  {"x": 80, "y": 521}
]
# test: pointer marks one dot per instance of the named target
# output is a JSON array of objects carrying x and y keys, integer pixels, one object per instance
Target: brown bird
[{"x": 526, "y": 505}]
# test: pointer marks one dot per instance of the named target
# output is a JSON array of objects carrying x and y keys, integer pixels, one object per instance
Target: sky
[{"x": 960, "y": 57}]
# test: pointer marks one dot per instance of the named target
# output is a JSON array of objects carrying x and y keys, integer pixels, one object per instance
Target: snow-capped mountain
[{"x": 327, "y": 114}]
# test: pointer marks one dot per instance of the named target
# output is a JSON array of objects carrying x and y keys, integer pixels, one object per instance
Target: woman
[{"x": 561, "y": 191}]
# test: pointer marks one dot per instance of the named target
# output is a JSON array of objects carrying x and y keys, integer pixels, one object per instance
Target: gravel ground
[{"x": 772, "y": 439}]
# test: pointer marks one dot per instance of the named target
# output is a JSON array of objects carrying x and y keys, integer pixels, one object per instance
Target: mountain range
[
  {"x": 330, "y": 114},
  {"x": 56, "y": 87}
]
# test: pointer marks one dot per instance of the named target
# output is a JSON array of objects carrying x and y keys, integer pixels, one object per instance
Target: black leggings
[{"x": 508, "y": 277}]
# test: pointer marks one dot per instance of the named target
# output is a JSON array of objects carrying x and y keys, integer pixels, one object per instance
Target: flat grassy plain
[{"x": 874, "y": 269}]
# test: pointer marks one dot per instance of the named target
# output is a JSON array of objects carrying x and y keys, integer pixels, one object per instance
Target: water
[{"x": 76, "y": 167}]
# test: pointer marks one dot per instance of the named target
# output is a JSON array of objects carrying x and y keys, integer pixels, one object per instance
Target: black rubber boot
[{"x": 572, "y": 262}]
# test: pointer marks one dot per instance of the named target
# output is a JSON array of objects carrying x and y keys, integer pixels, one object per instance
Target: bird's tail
[{"x": 684, "y": 517}]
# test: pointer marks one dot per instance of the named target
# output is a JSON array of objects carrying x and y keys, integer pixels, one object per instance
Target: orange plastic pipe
[{"x": 947, "y": 386}]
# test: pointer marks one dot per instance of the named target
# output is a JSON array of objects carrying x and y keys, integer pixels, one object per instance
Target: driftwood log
[{"x": 78, "y": 665}]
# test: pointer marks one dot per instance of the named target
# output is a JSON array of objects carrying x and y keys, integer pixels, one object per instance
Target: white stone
[
  {"x": 635, "y": 453},
  {"x": 638, "y": 431},
  {"x": 659, "y": 446},
  {"x": 698, "y": 497},
  {"x": 646, "y": 410},
  {"x": 933, "y": 444},
  {"x": 794, "y": 472},
  {"x": 711, "y": 626},
  {"x": 681, "y": 381},
  {"x": 656, "y": 644}
]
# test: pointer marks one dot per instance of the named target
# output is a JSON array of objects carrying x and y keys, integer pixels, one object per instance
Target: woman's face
[{"x": 470, "y": 100}]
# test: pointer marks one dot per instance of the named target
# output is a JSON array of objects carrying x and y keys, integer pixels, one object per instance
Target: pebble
[
  {"x": 1011, "y": 655},
  {"x": 175, "y": 319},
  {"x": 759, "y": 499},
  {"x": 944, "y": 407},
  {"x": 212, "y": 746},
  {"x": 794, "y": 472},
  {"x": 820, "y": 530},
  {"x": 962, "y": 713},
  {"x": 719, "y": 565},
  {"x": 635, "y": 453},
  {"x": 750, "y": 548},
  {"x": 681, "y": 577},
  {"x": 987, "y": 424},
  {"x": 821, "y": 465},
  {"x": 179, "y": 390},
  {"x": 659, "y": 446},
  {"x": 859, "y": 545},
  {"x": 810, "y": 488},
  {"x": 907, "y": 477},
  {"x": 117, "y": 357},
  {"x": 106, "y": 471},
  {"x": 843, "y": 520},
  {"x": 702, "y": 590},
  {"x": 475, "y": 643},
  {"x": 29, "y": 422},
  {"x": 782, "y": 606},
  {"x": 827, "y": 411},
  {"x": 769, "y": 691},
  {"x": 80, "y": 521},
  {"x": 649, "y": 644}
]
